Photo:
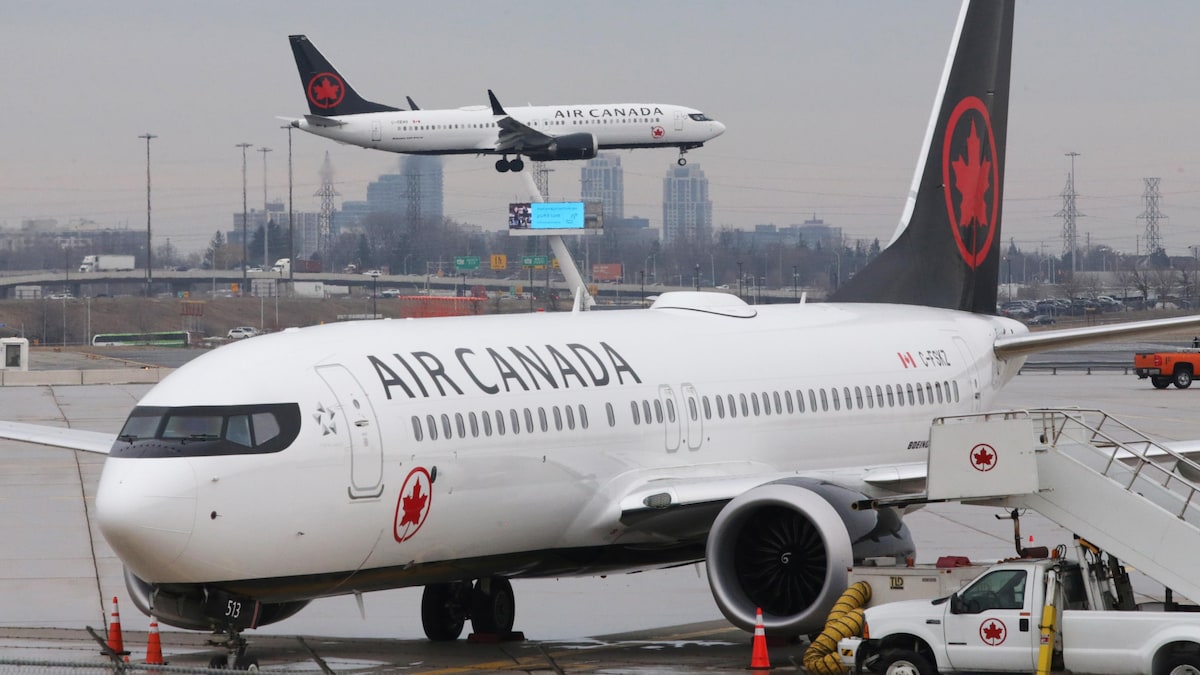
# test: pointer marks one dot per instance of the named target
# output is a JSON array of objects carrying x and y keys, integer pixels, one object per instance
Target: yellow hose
[{"x": 845, "y": 620}]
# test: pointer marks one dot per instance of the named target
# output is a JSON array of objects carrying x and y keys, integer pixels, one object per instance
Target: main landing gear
[
  {"x": 488, "y": 603},
  {"x": 682, "y": 161},
  {"x": 506, "y": 164},
  {"x": 235, "y": 652}
]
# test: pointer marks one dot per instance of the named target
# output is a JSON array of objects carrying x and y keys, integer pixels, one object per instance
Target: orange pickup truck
[{"x": 1166, "y": 368}]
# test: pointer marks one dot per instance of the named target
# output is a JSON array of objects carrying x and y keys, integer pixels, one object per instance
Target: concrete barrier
[{"x": 38, "y": 378}]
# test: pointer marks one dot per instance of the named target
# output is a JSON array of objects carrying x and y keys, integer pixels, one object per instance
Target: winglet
[
  {"x": 411, "y": 103},
  {"x": 497, "y": 109}
]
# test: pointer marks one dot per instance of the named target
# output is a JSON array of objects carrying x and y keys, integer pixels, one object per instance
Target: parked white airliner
[
  {"x": 459, "y": 453},
  {"x": 541, "y": 133}
]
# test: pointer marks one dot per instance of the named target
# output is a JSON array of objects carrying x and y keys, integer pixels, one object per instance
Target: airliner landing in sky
[
  {"x": 461, "y": 453},
  {"x": 541, "y": 133}
]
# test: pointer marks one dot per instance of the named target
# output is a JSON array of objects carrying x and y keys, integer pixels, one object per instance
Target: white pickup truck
[{"x": 995, "y": 624}]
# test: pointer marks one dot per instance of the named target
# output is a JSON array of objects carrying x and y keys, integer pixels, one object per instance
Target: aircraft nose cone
[
  {"x": 718, "y": 128},
  {"x": 146, "y": 509}
]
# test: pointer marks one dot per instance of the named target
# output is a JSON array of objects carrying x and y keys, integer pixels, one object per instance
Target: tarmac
[{"x": 58, "y": 576}]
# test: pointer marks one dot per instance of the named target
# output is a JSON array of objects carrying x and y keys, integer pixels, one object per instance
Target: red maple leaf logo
[
  {"x": 981, "y": 458},
  {"x": 325, "y": 90},
  {"x": 413, "y": 506},
  {"x": 972, "y": 180},
  {"x": 992, "y": 633}
]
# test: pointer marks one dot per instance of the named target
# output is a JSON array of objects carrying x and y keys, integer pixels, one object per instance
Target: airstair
[{"x": 1092, "y": 474}]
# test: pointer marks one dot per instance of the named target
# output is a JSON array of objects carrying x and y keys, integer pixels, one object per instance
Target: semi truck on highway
[{"x": 107, "y": 262}]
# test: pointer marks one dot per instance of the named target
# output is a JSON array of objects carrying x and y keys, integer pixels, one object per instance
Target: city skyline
[{"x": 823, "y": 121}]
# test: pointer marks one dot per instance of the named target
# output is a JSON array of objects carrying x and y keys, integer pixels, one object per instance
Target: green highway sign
[
  {"x": 466, "y": 262},
  {"x": 534, "y": 260}
]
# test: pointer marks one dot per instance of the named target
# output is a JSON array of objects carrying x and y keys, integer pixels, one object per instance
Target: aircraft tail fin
[
  {"x": 327, "y": 92},
  {"x": 946, "y": 249}
]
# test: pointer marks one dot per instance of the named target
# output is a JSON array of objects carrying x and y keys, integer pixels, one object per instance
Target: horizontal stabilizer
[
  {"x": 59, "y": 437},
  {"x": 319, "y": 121},
  {"x": 1044, "y": 341}
]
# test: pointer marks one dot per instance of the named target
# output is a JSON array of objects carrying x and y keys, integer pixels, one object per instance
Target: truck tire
[
  {"x": 1180, "y": 664},
  {"x": 903, "y": 662},
  {"x": 1160, "y": 381},
  {"x": 1183, "y": 378}
]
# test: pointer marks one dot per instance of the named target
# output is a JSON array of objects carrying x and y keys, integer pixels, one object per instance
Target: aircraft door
[
  {"x": 694, "y": 416},
  {"x": 670, "y": 416},
  {"x": 678, "y": 121},
  {"x": 376, "y": 131},
  {"x": 972, "y": 373},
  {"x": 360, "y": 429}
]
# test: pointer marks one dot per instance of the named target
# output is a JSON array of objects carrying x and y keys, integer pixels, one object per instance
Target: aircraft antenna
[{"x": 1151, "y": 215}]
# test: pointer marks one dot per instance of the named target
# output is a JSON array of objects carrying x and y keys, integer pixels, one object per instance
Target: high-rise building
[
  {"x": 687, "y": 210},
  {"x": 603, "y": 180},
  {"x": 415, "y": 193}
]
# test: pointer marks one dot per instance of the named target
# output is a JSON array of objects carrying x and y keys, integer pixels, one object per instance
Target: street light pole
[
  {"x": 266, "y": 220},
  {"x": 374, "y": 294},
  {"x": 795, "y": 290},
  {"x": 739, "y": 278},
  {"x": 245, "y": 217},
  {"x": 291, "y": 226},
  {"x": 149, "y": 267}
]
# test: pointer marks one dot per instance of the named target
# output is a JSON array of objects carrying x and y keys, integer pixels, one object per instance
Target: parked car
[
  {"x": 1041, "y": 320},
  {"x": 241, "y": 332}
]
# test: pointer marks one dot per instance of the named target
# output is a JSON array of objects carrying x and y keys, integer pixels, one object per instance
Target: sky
[{"x": 825, "y": 104}]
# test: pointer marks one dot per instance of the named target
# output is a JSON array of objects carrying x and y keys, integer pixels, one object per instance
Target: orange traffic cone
[
  {"x": 759, "y": 659},
  {"x": 154, "y": 645},
  {"x": 115, "y": 641}
]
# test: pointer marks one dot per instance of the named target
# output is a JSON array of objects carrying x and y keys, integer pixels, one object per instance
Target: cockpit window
[
  {"x": 195, "y": 431},
  {"x": 700, "y": 117}
]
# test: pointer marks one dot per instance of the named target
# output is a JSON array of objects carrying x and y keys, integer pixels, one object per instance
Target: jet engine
[
  {"x": 785, "y": 547},
  {"x": 569, "y": 146},
  {"x": 200, "y": 608}
]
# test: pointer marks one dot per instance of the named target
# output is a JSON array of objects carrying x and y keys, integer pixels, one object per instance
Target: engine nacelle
[
  {"x": 200, "y": 608},
  {"x": 785, "y": 547},
  {"x": 569, "y": 146}
]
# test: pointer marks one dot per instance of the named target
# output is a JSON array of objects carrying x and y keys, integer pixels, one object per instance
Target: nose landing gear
[{"x": 235, "y": 652}]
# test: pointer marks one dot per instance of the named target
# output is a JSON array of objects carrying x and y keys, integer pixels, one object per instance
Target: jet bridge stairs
[{"x": 1128, "y": 494}]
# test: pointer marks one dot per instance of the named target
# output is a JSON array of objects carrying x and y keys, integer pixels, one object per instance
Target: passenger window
[
  {"x": 938, "y": 387},
  {"x": 649, "y": 417},
  {"x": 500, "y": 422},
  {"x": 462, "y": 428},
  {"x": 692, "y": 411},
  {"x": 858, "y": 398},
  {"x": 779, "y": 403},
  {"x": 799, "y": 400},
  {"x": 515, "y": 419},
  {"x": 417, "y": 431},
  {"x": 824, "y": 400},
  {"x": 583, "y": 422},
  {"x": 446, "y": 426},
  {"x": 671, "y": 410},
  {"x": 956, "y": 391},
  {"x": 879, "y": 395},
  {"x": 891, "y": 397},
  {"x": 754, "y": 402},
  {"x": 707, "y": 408},
  {"x": 637, "y": 418},
  {"x": 911, "y": 399},
  {"x": 558, "y": 421},
  {"x": 487, "y": 422},
  {"x": 542, "y": 421},
  {"x": 720, "y": 406},
  {"x": 474, "y": 422},
  {"x": 833, "y": 393},
  {"x": 612, "y": 416},
  {"x": 528, "y": 421},
  {"x": 846, "y": 393},
  {"x": 920, "y": 394},
  {"x": 787, "y": 396},
  {"x": 431, "y": 424},
  {"x": 745, "y": 406},
  {"x": 570, "y": 413},
  {"x": 732, "y": 406},
  {"x": 658, "y": 411},
  {"x": 870, "y": 397}
]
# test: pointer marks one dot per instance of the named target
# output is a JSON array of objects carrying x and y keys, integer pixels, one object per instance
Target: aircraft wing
[
  {"x": 515, "y": 136},
  {"x": 683, "y": 507},
  {"x": 59, "y": 437}
]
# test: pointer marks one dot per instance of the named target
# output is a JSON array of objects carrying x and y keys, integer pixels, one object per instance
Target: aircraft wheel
[
  {"x": 904, "y": 662},
  {"x": 246, "y": 663},
  {"x": 682, "y": 161},
  {"x": 516, "y": 165},
  {"x": 1183, "y": 378},
  {"x": 218, "y": 663},
  {"x": 493, "y": 606},
  {"x": 502, "y": 165},
  {"x": 443, "y": 610},
  {"x": 1160, "y": 382}
]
